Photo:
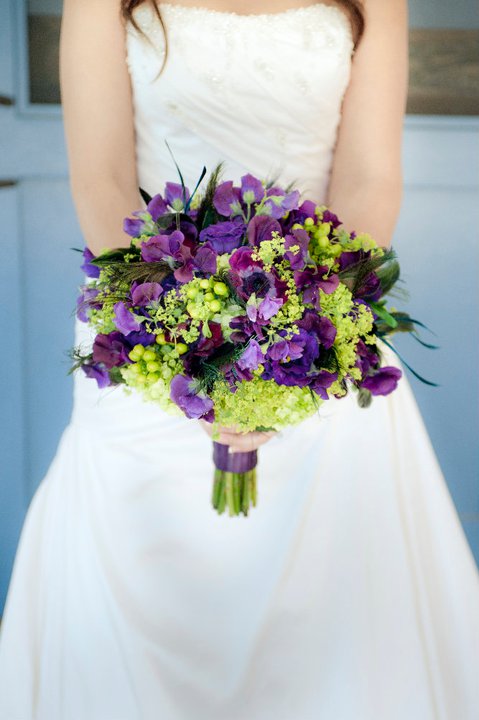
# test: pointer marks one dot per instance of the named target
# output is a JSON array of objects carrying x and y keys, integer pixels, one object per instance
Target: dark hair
[{"x": 354, "y": 8}]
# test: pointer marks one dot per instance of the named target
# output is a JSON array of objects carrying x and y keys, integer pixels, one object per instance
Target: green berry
[
  {"x": 191, "y": 293},
  {"x": 153, "y": 366},
  {"x": 221, "y": 289},
  {"x": 181, "y": 348},
  {"x": 160, "y": 338},
  {"x": 204, "y": 284},
  {"x": 215, "y": 306},
  {"x": 149, "y": 355},
  {"x": 209, "y": 297}
]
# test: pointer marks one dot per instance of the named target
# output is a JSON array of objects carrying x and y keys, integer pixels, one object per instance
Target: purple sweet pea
[
  {"x": 98, "y": 373},
  {"x": 224, "y": 237},
  {"x": 157, "y": 207},
  {"x": 166, "y": 247},
  {"x": 252, "y": 357},
  {"x": 322, "y": 381},
  {"x": 194, "y": 405},
  {"x": 143, "y": 294},
  {"x": 124, "y": 320},
  {"x": 241, "y": 260},
  {"x": 311, "y": 281},
  {"x": 176, "y": 196},
  {"x": 329, "y": 216},
  {"x": 262, "y": 227},
  {"x": 111, "y": 350},
  {"x": 294, "y": 370},
  {"x": 298, "y": 259},
  {"x": 252, "y": 190},
  {"x": 283, "y": 202},
  {"x": 205, "y": 261},
  {"x": 227, "y": 199},
  {"x": 85, "y": 301},
  {"x": 382, "y": 382},
  {"x": 90, "y": 270},
  {"x": 133, "y": 226},
  {"x": 367, "y": 357},
  {"x": 322, "y": 326},
  {"x": 305, "y": 210}
]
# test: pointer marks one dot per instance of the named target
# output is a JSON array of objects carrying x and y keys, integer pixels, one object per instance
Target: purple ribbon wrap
[{"x": 238, "y": 462}]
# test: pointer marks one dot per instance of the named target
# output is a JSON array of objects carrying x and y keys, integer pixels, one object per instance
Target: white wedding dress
[{"x": 349, "y": 592}]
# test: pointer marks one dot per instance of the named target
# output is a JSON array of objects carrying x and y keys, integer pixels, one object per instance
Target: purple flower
[
  {"x": 252, "y": 357},
  {"x": 311, "y": 281},
  {"x": 322, "y": 381},
  {"x": 227, "y": 199},
  {"x": 145, "y": 293},
  {"x": 367, "y": 359},
  {"x": 329, "y": 216},
  {"x": 205, "y": 261},
  {"x": 298, "y": 259},
  {"x": 269, "y": 307},
  {"x": 382, "y": 382},
  {"x": 241, "y": 260},
  {"x": 176, "y": 196},
  {"x": 133, "y": 226},
  {"x": 90, "y": 270},
  {"x": 252, "y": 190},
  {"x": 98, "y": 373},
  {"x": 322, "y": 326},
  {"x": 224, "y": 237},
  {"x": 262, "y": 227},
  {"x": 157, "y": 207},
  {"x": 294, "y": 370},
  {"x": 299, "y": 215},
  {"x": 124, "y": 320},
  {"x": 111, "y": 350},
  {"x": 85, "y": 301},
  {"x": 194, "y": 405},
  {"x": 370, "y": 288},
  {"x": 282, "y": 202},
  {"x": 165, "y": 247}
]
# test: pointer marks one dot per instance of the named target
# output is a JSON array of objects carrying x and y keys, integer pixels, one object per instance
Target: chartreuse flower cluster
[{"x": 243, "y": 306}]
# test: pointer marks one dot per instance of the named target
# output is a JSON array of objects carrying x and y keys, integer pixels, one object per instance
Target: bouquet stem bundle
[{"x": 234, "y": 484}]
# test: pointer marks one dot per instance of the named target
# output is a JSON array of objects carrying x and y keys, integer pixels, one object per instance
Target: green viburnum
[{"x": 262, "y": 404}]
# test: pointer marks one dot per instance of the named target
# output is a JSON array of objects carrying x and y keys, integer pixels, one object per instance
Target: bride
[{"x": 350, "y": 592}]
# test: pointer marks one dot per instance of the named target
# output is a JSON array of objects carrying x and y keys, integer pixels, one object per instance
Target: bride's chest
[{"x": 299, "y": 57}]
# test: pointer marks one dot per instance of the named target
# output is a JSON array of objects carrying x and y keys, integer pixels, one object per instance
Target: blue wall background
[{"x": 436, "y": 238}]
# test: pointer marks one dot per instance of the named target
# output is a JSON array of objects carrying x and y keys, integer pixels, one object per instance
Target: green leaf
[{"x": 381, "y": 312}]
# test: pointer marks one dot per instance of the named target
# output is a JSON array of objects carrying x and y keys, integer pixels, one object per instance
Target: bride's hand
[{"x": 238, "y": 441}]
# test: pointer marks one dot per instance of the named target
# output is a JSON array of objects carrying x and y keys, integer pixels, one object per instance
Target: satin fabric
[{"x": 349, "y": 592}]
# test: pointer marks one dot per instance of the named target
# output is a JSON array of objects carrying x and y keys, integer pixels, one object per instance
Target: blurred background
[{"x": 436, "y": 239}]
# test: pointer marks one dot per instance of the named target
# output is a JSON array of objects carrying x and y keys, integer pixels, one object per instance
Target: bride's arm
[
  {"x": 98, "y": 120},
  {"x": 366, "y": 180}
]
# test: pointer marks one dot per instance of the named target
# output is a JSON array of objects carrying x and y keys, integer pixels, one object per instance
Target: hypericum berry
[
  {"x": 136, "y": 353},
  {"x": 160, "y": 338},
  {"x": 221, "y": 289},
  {"x": 323, "y": 241},
  {"x": 215, "y": 306},
  {"x": 153, "y": 366},
  {"x": 135, "y": 368},
  {"x": 149, "y": 355},
  {"x": 209, "y": 297},
  {"x": 309, "y": 222},
  {"x": 191, "y": 293},
  {"x": 181, "y": 348},
  {"x": 204, "y": 284},
  {"x": 153, "y": 377},
  {"x": 193, "y": 310}
]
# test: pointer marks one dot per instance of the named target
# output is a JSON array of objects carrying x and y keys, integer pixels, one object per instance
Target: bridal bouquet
[{"x": 242, "y": 306}]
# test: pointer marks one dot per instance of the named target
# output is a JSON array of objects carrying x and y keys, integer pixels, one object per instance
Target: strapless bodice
[{"x": 263, "y": 93}]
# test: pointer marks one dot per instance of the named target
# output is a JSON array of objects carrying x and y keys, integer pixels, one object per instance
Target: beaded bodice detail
[{"x": 263, "y": 93}]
